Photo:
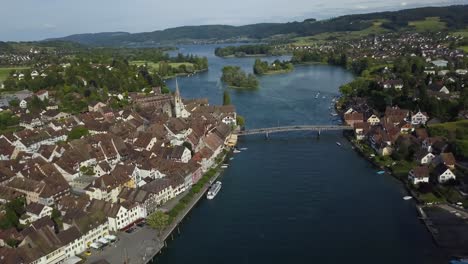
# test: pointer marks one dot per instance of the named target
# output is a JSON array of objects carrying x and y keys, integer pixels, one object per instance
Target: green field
[
  {"x": 464, "y": 48},
  {"x": 154, "y": 66},
  {"x": 429, "y": 24},
  {"x": 453, "y": 126},
  {"x": 463, "y": 33},
  {"x": 456, "y": 132},
  {"x": 4, "y": 72},
  {"x": 374, "y": 29}
]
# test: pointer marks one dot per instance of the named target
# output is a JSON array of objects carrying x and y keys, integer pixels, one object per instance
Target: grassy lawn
[
  {"x": 429, "y": 24},
  {"x": 430, "y": 198},
  {"x": 464, "y": 48},
  {"x": 402, "y": 167},
  {"x": 463, "y": 33},
  {"x": 452, "y": 126},
  {"x": 5, "y": 71},
  {"x": 374, "y": 29},
  {"x": 154, "y": 66}
]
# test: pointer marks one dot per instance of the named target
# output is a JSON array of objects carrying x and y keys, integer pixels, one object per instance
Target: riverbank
[
  {"x": 277, "y": 72},
  {"x": 184, "y": 74},
  {"x": 178, "y": 213},
  {"x": 144, "y": 244}
]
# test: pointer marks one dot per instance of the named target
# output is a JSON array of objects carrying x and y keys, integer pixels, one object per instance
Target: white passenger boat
[
  {"x": 224, "y": 166},
  {"x": 214, "y": 189},
  {"x": 236, "y": 151},
  {"x": 406, "y": 198}
]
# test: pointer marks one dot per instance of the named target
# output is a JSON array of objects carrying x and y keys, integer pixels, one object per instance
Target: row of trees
[
  {"x": 234, "y": 76},
  {"x": 244, "y": 50}
]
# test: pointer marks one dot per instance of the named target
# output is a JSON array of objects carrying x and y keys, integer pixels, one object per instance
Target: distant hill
[{"x": 454, "y": 17}]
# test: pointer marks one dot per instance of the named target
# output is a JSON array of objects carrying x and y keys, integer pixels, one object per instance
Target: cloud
[{"x": 403, "y": 3}]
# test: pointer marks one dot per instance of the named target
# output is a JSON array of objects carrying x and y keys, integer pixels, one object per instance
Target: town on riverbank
[
  {"x": 408, "y": 107},
  {"x": 88, "y": 172}
]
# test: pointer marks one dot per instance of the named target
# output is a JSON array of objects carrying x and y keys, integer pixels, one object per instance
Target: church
[{"x": 172, "y": 105}]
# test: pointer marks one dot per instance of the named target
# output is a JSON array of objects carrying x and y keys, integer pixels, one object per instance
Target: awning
[{"x": 72, "y": 260}]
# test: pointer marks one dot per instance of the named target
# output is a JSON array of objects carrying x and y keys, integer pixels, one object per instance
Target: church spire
[{"x": 177, "y": 92}]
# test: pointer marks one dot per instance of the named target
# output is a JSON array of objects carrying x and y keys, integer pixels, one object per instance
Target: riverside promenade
[{"x": 142, "y": 245}]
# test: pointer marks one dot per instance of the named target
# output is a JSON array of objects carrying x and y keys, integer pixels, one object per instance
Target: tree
[
  {"x": 77, "y": 132},
  {"x": 158, "y": 220},
  {"x": 226, "y": 98},
  {"x": 240, "y": 120}
]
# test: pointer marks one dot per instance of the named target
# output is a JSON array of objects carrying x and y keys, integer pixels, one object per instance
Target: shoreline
[
  {"x": 169, "y": 231},
  {"x": 184, "y": 74}
]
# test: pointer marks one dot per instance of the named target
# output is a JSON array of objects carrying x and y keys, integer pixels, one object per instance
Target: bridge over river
[{"x": 279, "y": 129}]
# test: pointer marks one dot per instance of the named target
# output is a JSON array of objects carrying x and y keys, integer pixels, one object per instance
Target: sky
[{"x": 23, "y": 20}]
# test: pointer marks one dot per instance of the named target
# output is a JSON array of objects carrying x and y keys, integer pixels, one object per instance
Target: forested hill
[{"x": 454, "y": 17}]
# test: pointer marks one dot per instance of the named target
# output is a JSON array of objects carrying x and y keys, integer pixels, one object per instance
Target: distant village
[{"x": 86, "y": 176}]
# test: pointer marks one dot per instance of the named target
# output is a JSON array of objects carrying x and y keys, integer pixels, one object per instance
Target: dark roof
[
  {"x": 34, "y": 208},
  {"x": 421, "y": 172}
]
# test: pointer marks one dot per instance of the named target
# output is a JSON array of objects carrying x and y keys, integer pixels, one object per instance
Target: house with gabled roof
[
  {"x": 35, "y": 211},
  {"x": 444, "y": 173},
  {"x": 448, "y": 159},
  {"x": 419, "y": 174},
  {"x": 420, "y": 118}
]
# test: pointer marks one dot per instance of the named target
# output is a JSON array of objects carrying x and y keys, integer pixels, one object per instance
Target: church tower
[{"x": 179, "y": 107}]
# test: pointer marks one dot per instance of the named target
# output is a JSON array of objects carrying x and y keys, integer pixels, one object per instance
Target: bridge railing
[{"x": 293, "y": 128}]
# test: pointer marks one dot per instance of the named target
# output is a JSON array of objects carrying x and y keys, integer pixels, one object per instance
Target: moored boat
[
  {"x": 214, "y": 189},
  {"x": 406, "y": 198}
]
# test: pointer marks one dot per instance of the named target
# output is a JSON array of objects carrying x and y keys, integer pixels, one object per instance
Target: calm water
[{"x": 295, "y": 198}]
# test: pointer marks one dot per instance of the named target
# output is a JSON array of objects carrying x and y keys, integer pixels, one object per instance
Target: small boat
[
  {"x": 243, "y": 148},
  {"x": 406, "y": 198},
  {"x": 381, "y": 172},
  {"x": 236, "y": 151},
  {"x": 231, "y": 158},
  {"x": 334, "y": 114},
  {"x": 317, "y": 95},
  {"x": 323, "y": 97},
  {"x": 338, "y": 143},
  {"x": 224, "y": 166},
  {"x": 213, "y": 191}
]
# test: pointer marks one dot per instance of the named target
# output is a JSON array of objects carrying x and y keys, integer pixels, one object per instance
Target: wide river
[{"x": 295, "y": 198}]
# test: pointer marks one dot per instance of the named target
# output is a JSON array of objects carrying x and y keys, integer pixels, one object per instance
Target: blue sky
[{"x": 40, "y": 19}]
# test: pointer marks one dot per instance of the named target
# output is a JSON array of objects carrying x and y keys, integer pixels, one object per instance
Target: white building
[{"x": 419, "y": 118}]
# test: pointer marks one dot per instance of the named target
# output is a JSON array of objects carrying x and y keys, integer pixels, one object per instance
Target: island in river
[
  {"x": 235, "y": 77},
  {"x": 263, "y": 67}
]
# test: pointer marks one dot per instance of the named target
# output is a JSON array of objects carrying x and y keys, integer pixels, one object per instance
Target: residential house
[
  {"x": 361, "y": 130},
  {"x": 444, "y": 174},
  {"x": 447, "y": 159},
  {"x": 419, "y": 174},
  {"x": 108, "y": 186},
  {"x": 35, "y": 211},
  {"x": 373, "y": 120},
  {"x": 42, "y": 95},
  {"x": 423, "y": 157},
  {"x": 353, "y": 118},
  {"x": 420, "y": 118}
]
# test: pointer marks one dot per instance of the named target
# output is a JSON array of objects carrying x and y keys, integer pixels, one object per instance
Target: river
[{"x": 295, "y": 198}]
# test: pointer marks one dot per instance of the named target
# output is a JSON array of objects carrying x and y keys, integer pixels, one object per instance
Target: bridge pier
[
  {"x": 266, "y": 136},
  {"x": 318, "y": 133}
]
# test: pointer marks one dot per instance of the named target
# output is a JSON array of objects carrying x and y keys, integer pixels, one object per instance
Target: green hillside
[{"x": 423, "y": 19}]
